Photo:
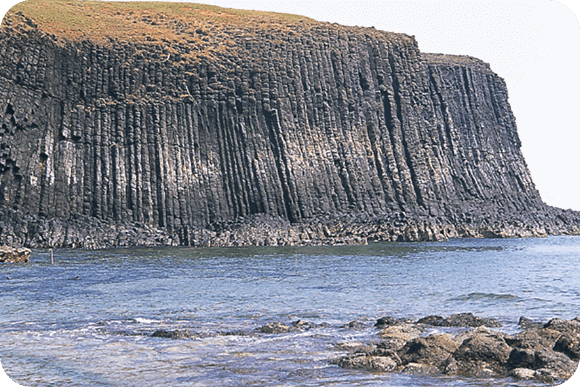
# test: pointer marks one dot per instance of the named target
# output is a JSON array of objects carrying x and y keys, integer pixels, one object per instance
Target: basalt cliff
[{"x": 129, "y": 124}]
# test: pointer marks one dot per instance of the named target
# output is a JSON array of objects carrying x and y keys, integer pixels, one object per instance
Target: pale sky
[{"x": 534, "y": 45}]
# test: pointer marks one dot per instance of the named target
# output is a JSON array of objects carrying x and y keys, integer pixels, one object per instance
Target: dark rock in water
[
  {"x": 274, "y": 327},
  {"x": 460, "y": 320},
  {"x": 433, "y": 350},
  {"x": 237, "y": 333},
  {"x": 535, "y": 339},
  {"x": 14, "y": 255},
  {"x": 569, "y": 345},
  {"x": 527, "y": 323},
  {"x": 388, "y": 321},
  {"x": 306, "y": 133},
  {"x": 299, "y": 324},
  {"x": 355, "y": 324},
  {"x": 542, "y": 354},
  {"x": 563, "y": 326},
  {"x": 484, "y": 350},
  {"x": 522, "y": 358},
  {"x": 556, "y": 362},
  {"x": 176, "y": 334},
  {"x": 469, "y": 320},
  {"x": 437, "y": 321},
  {"x": 369, "y": 363}
]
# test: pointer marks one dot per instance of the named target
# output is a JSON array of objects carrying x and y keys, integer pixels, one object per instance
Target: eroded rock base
[{"x": 19, "y": 229}]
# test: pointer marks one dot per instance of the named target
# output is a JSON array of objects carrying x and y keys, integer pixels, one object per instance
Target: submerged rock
[
  {"x": 176, "y": 334},
  {"x": 419, "y": 369},
  {"x": 274, "y": 327},
  {"x": 526, "y": 323},
  {"x": 303, "y": 325}
]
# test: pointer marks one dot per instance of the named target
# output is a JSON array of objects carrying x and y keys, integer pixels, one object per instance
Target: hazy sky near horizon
[{"x": 534, "y": 45}]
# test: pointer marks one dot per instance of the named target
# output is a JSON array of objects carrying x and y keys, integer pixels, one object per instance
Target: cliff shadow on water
[{"x": 184, "y": 124}]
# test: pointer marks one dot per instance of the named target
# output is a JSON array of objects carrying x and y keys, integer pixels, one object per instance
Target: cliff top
[
  {"x": 155, "y": 22},
  {"x": 457, "y": 60},
  {"x": 179, "y": 26},
  {"x": 134, "y": 21}
]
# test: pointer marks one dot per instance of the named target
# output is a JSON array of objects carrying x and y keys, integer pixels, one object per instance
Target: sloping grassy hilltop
[
  {"x": 136, "y": 20},
  {"x": 177, "y": 26}
]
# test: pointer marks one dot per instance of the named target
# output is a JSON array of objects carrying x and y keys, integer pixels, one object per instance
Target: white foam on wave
[{"x": 142, "y": 320}]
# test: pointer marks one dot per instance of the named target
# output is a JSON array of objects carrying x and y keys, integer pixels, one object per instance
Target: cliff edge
[{"x": 129, "y": 124}]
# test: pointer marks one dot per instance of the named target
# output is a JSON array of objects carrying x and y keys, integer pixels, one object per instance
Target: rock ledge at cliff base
[{"x": 14, "y": 255}]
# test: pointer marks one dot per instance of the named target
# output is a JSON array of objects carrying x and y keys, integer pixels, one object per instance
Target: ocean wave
[{"x": 487, "y": 297}]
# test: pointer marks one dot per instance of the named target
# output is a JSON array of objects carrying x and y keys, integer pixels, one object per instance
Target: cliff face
[{"x": 271, "y": 133}]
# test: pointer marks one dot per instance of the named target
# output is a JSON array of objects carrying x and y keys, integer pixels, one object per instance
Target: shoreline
[
  {"x": 545, "y": 352},
  {"x": 22, "y": 230},
  {"x": 12, "y": 255},
  {"x": 461, "y": 345}
]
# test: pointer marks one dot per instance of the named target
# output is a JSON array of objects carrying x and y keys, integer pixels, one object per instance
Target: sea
[{"x": 87, "y": 318}]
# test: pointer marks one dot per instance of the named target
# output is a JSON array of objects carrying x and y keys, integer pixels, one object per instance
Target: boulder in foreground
[{"x": 544, "y": 352}]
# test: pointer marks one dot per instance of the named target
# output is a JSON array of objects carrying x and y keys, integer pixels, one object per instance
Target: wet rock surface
[
  {"x": 275, "y": 327},
  {"x": 172, "y": 334},
  {"x": 298, "y": 133},
  {"x": 545, "y": 351},
  {"x": 459, "y": 320}
]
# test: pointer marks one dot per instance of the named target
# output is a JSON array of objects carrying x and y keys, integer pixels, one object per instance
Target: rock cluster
[
  {"x": 14, "y": 255},
  {"x": 546, "y": 352},
  {"x": 278, "y": 327},
  {"x": 329, "y": 134}
]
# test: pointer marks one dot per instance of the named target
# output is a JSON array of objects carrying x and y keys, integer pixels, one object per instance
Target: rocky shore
[
  {"x": 12, "y": 255},
  {"x": 19, "y": 229},
  {"x": 461, "y": 345},
  {"x": 546, "y": 352}
]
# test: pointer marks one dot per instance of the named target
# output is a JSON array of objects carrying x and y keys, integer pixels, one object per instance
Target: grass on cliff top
[
  {"x": 457, "y": 60},
  {"x": 135, "y": 21}
]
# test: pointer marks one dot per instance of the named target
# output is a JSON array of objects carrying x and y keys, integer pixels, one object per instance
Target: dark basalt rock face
[{"x": 309, "y": 133}]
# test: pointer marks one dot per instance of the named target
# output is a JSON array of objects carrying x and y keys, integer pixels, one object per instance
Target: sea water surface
[{"x": 87, "y": 319}]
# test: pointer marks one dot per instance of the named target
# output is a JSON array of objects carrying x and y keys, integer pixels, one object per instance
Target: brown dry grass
[
  {"x": 186, "y": 31},
  {"x": 139, "y": 22},
  {"x": 456, "y": 60}
]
